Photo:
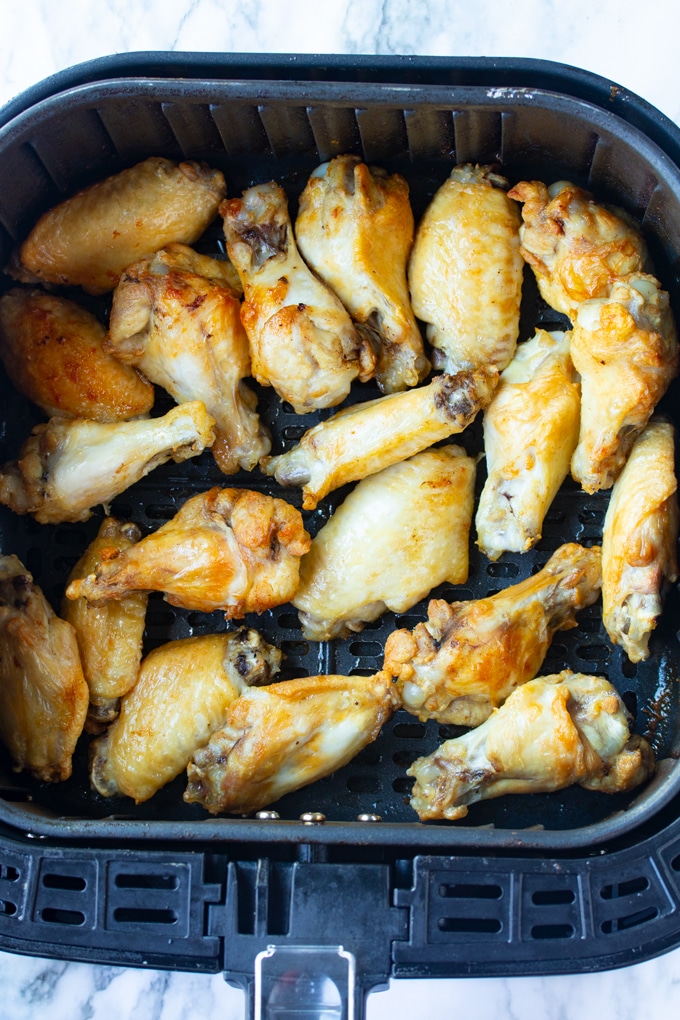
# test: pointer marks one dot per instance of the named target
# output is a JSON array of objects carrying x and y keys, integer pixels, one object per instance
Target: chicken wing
[
  {"x": 467, "y": 658},
  {"x": 639, "y": 541},
  {"x": 576, "y": 248},
  {"x": 67, "y": 467},
  {"x": 90, "y": 238},
  {"x": 396, "y": 536},
  {"x": 365, "y": 438},
  {"x": 43, "y": 694},
  {"x": 531, "y": 430},
  {"x": 355, "y": 229},
  {"x": 182, "y": 697},
  {"x": 228, "y": 549},
  {"x": 551, "y": 733},
  {"x": 109, "y": 636},
  {"x": 52, "y": 351},
  {"x": 302, "y": 340},
  {"x": 175, "y": 317},
  {"x": 465, "y": 271},
  {"x": 625, "y": 349},
  {"x": 285, "y": 736}
]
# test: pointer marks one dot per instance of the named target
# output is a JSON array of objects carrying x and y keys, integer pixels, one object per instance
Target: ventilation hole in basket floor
[
  {"x": 144, "y": 915},
  {"x": 403, "y": 758},
  {"x": 161, "y": 511},
  {"x": 552, "y": 897},
  {"x": 470, "y": 925},
  {"x": 7, "y": 908},
  {"x": 502, "y": 570},
  {"x": 293, "y": 432},
  {"x": 73, "y": 882},
  {"x": 629, "y": 921},
  {"x": 363, "y": 649},
  {"x": 629, "y": 888},
  {"x": 552, "y": 931},
  {"x": 362, "y": 671},
  {"x": 289, "y": 621},
  {"x": 56, "y": 915},
  {"x": 295, "y": 647},
  {"x": 628, "y": 668},
  {"x": 363, "y": 784},
  {"x": 402, "y": 784},
  {"x": 629, "y": 698},
  {"x": 125, "y": 880},
  {"x": 409, "y": 731},
  {"x": 593, "y": 653},
  {"x": 469, "y": 891}
]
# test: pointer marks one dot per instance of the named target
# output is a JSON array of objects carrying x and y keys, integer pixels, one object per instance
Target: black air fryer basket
[{"x": 345, "y": 882}]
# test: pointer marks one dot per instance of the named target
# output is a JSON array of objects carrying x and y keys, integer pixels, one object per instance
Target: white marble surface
[{"x": 631, "y": 44}]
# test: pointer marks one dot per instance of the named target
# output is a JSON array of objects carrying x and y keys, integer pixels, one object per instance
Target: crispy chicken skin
[
  {"x": 226, "y": 549},
  {"x": 396, "y": 536},
  {"x": 182, "y": 697},
  {"x": 176, "y": 318},
  {"x": 551, "y": 733},
  {"x": 52, "y": 350},
  {"x": 464, "y": 661},
  {"x": 43, "y": 694},
  {"x": 531, "y": 429},
  {"x": 109, "y": 636},
  {"x": 66, "y": 467},
  {"x": 355, "y": 230},
  {"x": 285, "y": 736},
  {"x": 365, "y": 438},
  {"x": 90, "y": 238},
  {"x": 302, "y": 340},
  {"x": 625, "y": 349},
  {"x": 465, "y": 271},
  {"x": 576, "y": 248},
  {"x": 639, "y": 541}
]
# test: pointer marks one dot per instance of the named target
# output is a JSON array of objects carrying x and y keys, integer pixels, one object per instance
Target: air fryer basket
[{"x": 594, "y": 868}]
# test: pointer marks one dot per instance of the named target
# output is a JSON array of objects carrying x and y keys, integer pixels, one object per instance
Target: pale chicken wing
[
  {"x": 639, "y": 541},
  {"x": 52, "y": 350},
  {"x": 531, "y": 430},
  {"x": 355, "y": 229},
  {"x": 302, "y": 340},
  {"x": 229, "y": 549},
  {"x": 285, "y": 736},
  {"x": 576, "y": 248},
  {"x": 625, "y": 349},
  {"x": 182, "y": 697},
  {"x": 468, "y": 656},
  {"x": 551, "y": 733},
  {"x": 365, "y": 438},
  {"x": 109, "y": 636},
  {"x": 66, "y": 466},
  {"x": 176, "y": 318},
  {"x": 90, "y": 238},
  {"x": 43, "y": 694},
  {"x": 396, "y": 536},
  {"x": 465, "y": 271}
]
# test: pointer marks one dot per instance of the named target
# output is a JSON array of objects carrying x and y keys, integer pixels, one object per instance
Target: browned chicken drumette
[
  {"x": 551, "y": 733},
  {"x": 226, "y": 549},
  {"x": 355, "y": 229},
  {"x": 43, "y": 694},
  {"x": 284, "y": 736},
  {"x": 176, "y": 318},
  {"x": 52, "y": 350},
  {"x": 468, "y": 656},
  {"x": 90, "y": 238}
]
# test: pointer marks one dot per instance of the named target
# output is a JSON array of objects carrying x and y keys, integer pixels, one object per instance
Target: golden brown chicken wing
[
  {"x": 396, "y": 536},
  {"x": 182, "y": 697},
  {"x": 66, "y": 467},
  {"x": 302, "y": 340},
  {"x": 576, "y": 248},
  {"x": 465, "y": 271},
  {"x": 176, "y": 318},
  {"x": 625, "y": 349},
  {"x": 468, "y": 656},
  {"x": 365, "y": 438},
  {"x": 639, "y": 541},
  {"x": 228, "y": 549},
  {"x": 285, "y": 736},
  {"x": 52, "y": 351},
  {"x": 90, "y": 238},
  {"x": 551, "y": 733},
  {"x": 355, "y": 230},
  {"x": 43, "y": 694},
  {"x": 531, "y": 430},
  {"x": 109, "y": 636}
]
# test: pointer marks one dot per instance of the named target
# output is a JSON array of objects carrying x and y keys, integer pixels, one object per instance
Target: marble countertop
[{"x": 636, "y": 47}]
